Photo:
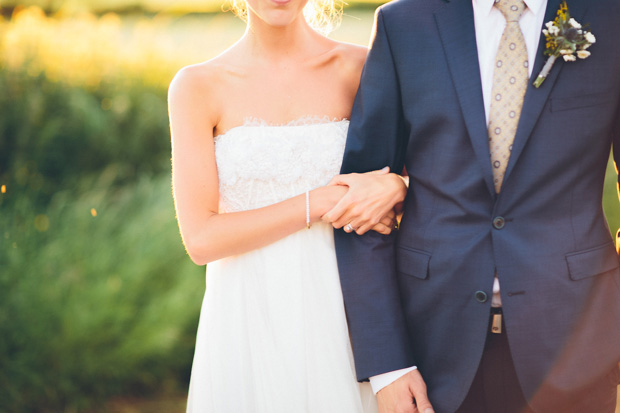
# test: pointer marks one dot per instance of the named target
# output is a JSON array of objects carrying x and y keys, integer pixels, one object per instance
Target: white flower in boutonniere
[
  {"x": 574, "y": 23},
  {"x": 582, "y": 54},
  {"x": 565, "y": 37}
]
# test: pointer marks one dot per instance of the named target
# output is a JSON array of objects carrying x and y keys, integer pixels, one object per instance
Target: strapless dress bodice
[{"x": 260, "y": 164}]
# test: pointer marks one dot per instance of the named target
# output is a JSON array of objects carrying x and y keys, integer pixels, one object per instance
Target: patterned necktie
[{"x": 510, "y": 79}]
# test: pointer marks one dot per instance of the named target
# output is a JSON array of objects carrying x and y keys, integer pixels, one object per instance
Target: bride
[{"x": 257, "y": 134}]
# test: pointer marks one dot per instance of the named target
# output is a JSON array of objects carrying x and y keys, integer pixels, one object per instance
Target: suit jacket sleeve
[{"x": 367, "y": 263}]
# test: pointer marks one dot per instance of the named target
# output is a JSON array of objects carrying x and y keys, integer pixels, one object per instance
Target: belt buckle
[{"x": 496, "y": 320}]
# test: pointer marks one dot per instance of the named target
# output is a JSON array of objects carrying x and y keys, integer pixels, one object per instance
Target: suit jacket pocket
[
  {"x": 412, "y": 262},
  {"x": 593, "y": 261},
  {"x": 582, "y": 101}
]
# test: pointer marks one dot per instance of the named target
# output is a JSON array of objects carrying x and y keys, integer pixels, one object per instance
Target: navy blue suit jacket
[{"x": 411, "y": 297}]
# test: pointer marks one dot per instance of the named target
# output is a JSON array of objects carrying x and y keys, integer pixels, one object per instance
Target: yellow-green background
[{"x": 98, "y": 301}]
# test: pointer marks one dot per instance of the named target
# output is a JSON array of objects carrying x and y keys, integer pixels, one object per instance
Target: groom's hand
[{"x": 405, "y": 395}]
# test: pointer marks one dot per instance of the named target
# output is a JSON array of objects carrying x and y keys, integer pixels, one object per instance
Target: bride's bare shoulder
[
  {"x": 201, "y": 86},
  {"x": 205, "y": 77},
  {"x": 354, "y": 53},
  {"x": 351, "y": 58}
]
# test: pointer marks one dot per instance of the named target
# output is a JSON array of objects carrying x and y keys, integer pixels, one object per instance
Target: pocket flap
[
  {"x": 584, "y": 101},
  {"x": 412, "y": 262},
  {"x": 587, "y": 263}
]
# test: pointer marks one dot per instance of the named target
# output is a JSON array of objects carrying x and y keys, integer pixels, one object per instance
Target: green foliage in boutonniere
[{"x": 564, "y": 37}]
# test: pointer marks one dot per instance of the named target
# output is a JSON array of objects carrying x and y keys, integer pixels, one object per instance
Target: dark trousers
[{"x": 496, "y": 389}]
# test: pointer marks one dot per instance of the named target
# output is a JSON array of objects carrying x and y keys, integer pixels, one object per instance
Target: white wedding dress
[{"x": 272, "y": 335}]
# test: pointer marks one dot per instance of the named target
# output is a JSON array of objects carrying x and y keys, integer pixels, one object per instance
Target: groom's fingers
[
  {"x": 418, "y": 389},
  {"x": 335, "y": 215},
  {"x": 396, "y": 397}
]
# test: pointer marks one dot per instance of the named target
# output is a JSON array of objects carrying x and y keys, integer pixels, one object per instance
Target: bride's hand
[
  {"x": 387, "y": 224},
  {"x": 370, "y": 198}
]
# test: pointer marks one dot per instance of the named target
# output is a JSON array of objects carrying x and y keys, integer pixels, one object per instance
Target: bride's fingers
[
  {"x": 345, "y": 216},
  {"x": 363, "y": 217},
  {"x": 364, "y": 228},
  {"x": 362, "y": 220},
  {"x": 385, "y": 226},
  {"x": 387, "y": 221},
  {"x": 382, "y": 229}
]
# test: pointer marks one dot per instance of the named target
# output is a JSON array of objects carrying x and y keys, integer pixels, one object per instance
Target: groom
[{"x": 502, "y": 286}]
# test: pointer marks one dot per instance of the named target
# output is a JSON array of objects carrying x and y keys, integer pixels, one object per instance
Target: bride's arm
[{"x": 208, "y": 235}]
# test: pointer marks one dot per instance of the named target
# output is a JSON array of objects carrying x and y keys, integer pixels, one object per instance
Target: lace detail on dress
[
  {"x": 261, "y": 164},
  {"x": 301, "y": 121}
]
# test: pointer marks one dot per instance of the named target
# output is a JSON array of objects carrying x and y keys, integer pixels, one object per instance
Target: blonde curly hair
[{"x": 323, "y": 16}]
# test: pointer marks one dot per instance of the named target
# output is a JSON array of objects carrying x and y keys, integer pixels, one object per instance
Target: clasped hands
[{"x": 372, "y": 202}]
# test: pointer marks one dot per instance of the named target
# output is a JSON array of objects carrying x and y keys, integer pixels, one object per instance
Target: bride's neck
[{"x": 278, "y": 42}]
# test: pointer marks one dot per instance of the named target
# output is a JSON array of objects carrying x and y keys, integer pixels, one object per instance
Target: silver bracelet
[{"x": 308, "y": 209}]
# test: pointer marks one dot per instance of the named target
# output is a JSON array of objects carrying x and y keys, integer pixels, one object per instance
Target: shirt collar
[{"x": 484, "y": 7}]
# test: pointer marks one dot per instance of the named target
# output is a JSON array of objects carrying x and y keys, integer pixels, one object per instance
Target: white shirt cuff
[{"x": 382, "y": 380}]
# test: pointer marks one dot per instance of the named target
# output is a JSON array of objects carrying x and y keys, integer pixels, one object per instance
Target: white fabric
[
  {"x": 489, "y": 23},
  {"x": 273, "y": 336}
]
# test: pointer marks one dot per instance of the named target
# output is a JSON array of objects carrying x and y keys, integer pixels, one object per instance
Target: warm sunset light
[{"x": 214, "y": 281}]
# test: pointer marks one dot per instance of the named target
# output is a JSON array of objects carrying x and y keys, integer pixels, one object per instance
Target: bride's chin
[
  {"x": 279, "y": 19},
  {"x": 277, "y": 13}
]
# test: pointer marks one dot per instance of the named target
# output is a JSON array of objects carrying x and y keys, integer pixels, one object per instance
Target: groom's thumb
[
  {"x": 382, "y": 171},
  {"x": 417, "y": 387},
  {"x": 421, "y": 400},
  {"x": 424, "y": 405}
]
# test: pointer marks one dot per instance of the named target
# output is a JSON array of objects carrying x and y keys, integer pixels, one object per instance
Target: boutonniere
[{"x": 565, "y": 37}]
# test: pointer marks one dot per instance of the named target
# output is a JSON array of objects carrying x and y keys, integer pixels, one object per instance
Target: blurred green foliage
[
  {"x": 98, "y": 296},
  {"x": 51, "y": 134}
]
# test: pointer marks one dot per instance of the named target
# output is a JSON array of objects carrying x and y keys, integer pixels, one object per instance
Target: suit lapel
[
  {"x": 535, "y": 98},
  {"x": 455, "y": 21}
]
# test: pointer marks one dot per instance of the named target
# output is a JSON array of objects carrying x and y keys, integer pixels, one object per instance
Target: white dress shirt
[{"x": 489, "y": 23}]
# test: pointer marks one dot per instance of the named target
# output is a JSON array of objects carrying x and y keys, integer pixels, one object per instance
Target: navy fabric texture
[{"x": 411, "y": 297}]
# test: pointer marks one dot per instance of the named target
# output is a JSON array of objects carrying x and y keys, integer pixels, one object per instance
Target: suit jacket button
[
  {"x": 481, "y": 296},
  {"x": 499, "y": 222}
]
